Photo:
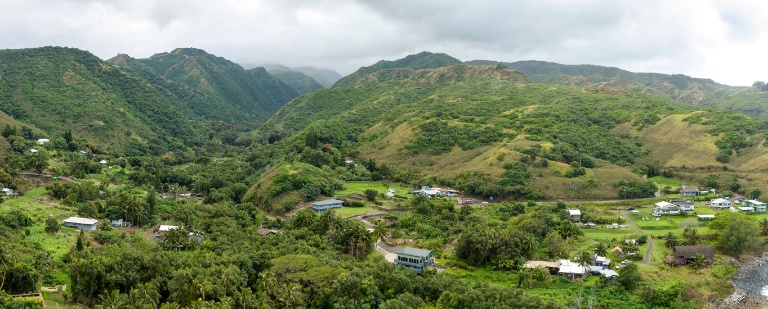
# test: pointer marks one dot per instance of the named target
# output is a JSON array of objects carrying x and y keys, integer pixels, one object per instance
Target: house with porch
[
  {"x": 685, "y": 254},
  {"x": 666, "y": 208},
  {"x": 416, "y": 260},
  {"x": 685, "y": 205},
  {"x": 757, "y": 205},
  {"x": 689, "y": 191},
  {"x": 326, "y": 204},
  {"x": 599, "y": 263},
  {"x": 571, "y": 270},
  {"x": 720, "y": 203},
  {"x": 746, "y": 210}
]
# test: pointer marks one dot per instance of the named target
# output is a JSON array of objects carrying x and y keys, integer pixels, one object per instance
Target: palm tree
[
  {"x": 328, "y": 220},
  {"x": 584, "y": 261},
  {"x": 601, "y": 249},
  {"x": 147, "y": 293},
  {"x": 112, "y": 300},
  {"x": 229, "y": 278},
  {"x": 290, "y": 295},
  {"x": 170, "y": 305},
  {"x": 529, "y": 244},
  {"x": 380, "y": 230},
  {"x": 267, "y": 283},
  {"x": 691, "y": 236},
  {"x": 672, "y": 240}
]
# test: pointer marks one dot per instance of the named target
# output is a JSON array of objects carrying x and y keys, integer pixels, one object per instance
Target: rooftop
[
  {"x": 165, "y": 228},
  {"x": 688, "y": 252},
  {"x": 327, "y": 202},
  {"x": 574, "y": 212},
  {"x": 78, "y": 220},
  {"x": 415, "y": 252}
]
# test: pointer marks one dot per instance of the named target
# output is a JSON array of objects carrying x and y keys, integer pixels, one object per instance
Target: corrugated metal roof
[
  {"x": 78, "y": 220},
  {"x": 416, "y": 252},
  {"x": 327, "y": 202},
  {"x": 165, "y": 228}
]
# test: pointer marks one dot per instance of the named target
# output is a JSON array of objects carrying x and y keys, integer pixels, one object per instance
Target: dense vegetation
[
  {"x": 213, "y": 87},
  {"x": 420, "y": 61}
]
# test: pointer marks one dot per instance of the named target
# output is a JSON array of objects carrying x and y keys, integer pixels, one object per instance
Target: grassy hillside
[
  {"x": 455, "y": 121},
  {"x": 55, "y": 89},
  {"x": 213, "y": 87},
  {"x": 423, "y": 60},
  {"x": 695, "y": 91}
]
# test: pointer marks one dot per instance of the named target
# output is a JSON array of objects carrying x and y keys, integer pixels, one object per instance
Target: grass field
[
  {"x": 346, "y": 212},
  {"x": 359, "y": 187}
]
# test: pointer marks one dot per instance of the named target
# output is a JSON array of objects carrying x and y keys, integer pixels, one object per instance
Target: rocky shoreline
[{"x": 749, "y": 284}]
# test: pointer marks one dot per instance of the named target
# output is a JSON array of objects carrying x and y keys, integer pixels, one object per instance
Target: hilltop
[
  {"x": 300, "y": 82},
  {"x": 213, "y": 87},
  {"x": 423, "y": 60}
]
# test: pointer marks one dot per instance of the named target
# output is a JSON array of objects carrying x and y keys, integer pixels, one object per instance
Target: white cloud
[{"x": 714, "y": 39}]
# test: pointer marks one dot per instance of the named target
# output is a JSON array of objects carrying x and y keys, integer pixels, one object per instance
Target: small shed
[
  {"x": 326, "y": 204},
  {"x": 574, "y": 215},
  {"x": 617, "y": 251},
  {"x": 706, "y": 217},
  {"x": 265, "y": 232},
  {"x": 85, "y": 224}
]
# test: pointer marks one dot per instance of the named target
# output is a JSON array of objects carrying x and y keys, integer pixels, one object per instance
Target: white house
[
  {"x": 666, "y": 208},
  {"x": 685, "y": 205},
  {"x": 85, "y": 224},
  {"x": 7, "y": 192},
  {"x": 571, "y": 270},
  {"x": 720, "y": 203},
  {"x": 42, "y": 141}
]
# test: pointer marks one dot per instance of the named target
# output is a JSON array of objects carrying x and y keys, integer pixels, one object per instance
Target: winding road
[{"x": 647, "y": 257}]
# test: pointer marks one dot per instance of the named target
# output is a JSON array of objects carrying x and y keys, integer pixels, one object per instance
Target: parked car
[{"x": 630, "y": 208}]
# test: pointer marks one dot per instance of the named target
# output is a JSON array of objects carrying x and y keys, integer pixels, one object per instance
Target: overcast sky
[{"x": 723, "y": 40}]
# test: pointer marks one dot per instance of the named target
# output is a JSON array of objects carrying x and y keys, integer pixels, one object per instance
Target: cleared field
[{"x": 359, "y": 187}]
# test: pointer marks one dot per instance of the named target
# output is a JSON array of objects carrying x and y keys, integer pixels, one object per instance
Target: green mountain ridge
[
  {"x": 55, "y": 89},
  {"x": 694, "y": 91},
  {"x": 446, "y": 123},
  {"x": 221, "y": 89},
  {"x": 423, "y": 60},
  {"x": 300, "y": 82}
]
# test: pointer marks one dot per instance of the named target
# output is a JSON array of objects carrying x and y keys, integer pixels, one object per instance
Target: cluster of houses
[
  {"x": 747, "y": 206},
  {"x": 435, "y": 192},
  {"x": 599, "y": 265}
]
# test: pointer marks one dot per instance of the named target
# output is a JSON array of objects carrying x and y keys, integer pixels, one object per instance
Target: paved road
[{"x": 647, "y": 258}]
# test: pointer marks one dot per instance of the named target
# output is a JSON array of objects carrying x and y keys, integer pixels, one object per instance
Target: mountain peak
[{"x": 420, "y": 61}]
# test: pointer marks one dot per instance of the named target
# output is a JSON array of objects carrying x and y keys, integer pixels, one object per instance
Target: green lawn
[
  {"x": 359, "y": 187},
  {"x": 346, "y": 212},
  {"x": 33, "y": 203}
]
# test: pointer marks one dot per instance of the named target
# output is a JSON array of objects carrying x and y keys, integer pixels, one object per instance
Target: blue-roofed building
[
  {"x": 327, "y": 204},
  {"x": 415, "y": 259}
]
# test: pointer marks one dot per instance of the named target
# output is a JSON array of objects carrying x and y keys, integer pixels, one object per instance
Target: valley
[{"x": 262, "y": 188}]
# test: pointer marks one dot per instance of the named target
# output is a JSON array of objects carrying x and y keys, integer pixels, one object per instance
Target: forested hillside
[
  {"x": 300, "y": 82},
  {"x": 58, "y": 89},
  {"x": 213, "y": 87},
  {"x": 423, "y": 60}
]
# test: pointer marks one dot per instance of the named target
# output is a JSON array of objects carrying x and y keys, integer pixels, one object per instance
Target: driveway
[{"x": 647, "y": 257}]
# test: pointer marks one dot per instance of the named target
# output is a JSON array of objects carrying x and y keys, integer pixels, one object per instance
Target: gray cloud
[{"x": 713, "y": 39}]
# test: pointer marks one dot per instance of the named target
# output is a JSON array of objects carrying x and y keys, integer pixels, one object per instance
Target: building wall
[{"x": 84, "y": 227}]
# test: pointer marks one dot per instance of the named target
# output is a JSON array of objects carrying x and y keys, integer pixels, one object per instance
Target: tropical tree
[
  {"x": 672, "y": 240},
  {"x": 113, "y": 300},
  {"x": 629, "y": 276},
  {"x": 764, "y": 227},
  {"x": 52, "y": 225},
  {"x": 601, "y": 249},
  {"x": 691, "y": 236},
  {"x": 755, "y": 193},
  {"x": 380, "y": 230},
  {"x": 584, "y": 260},
  {"x": 739, "y": 235},
  {"x": 328, "y": 220},
  {"x": 554, "y": 245}
]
